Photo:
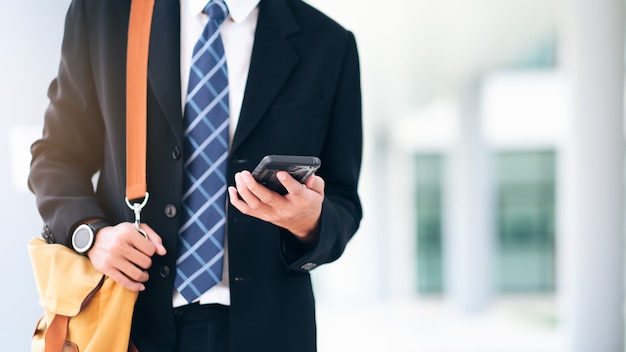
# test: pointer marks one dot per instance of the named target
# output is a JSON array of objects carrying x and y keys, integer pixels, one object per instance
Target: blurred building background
[{"x": 492, "y": 183}]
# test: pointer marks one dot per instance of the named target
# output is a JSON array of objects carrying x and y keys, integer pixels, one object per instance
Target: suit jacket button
[
  {"x": 308, "y": 266},
  {"x": 170, "y": 210},
  {"x": 47, "y": 235},
  {"x": 175, "y": 153},
  {"x": 164, "y": 271}
]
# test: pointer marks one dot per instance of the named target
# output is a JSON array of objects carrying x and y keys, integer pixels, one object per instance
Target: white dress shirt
[{"x": 237, "y": 33}]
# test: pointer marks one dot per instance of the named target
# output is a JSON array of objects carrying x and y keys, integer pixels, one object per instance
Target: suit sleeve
[
  {"x": 70, "y": 150},
  {"x": 341, "y": 158}
]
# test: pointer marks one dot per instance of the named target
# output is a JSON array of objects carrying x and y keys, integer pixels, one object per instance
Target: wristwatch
[{"x": 84, "y": 236}]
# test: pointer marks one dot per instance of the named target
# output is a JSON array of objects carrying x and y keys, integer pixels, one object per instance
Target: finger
[
  {"x": 316, "y": 183},
  {"x": 242, "y": 206},
  {"x": 237, "y": 202},
  {"x": 250, "y": 190},
  {"x": 133, "y": 272},
  {"x": 155, "y": 239},
  {"x": 133, "y": 254},
  {"x": 291, "y": 184},
  {"x": 260, "y": 191},
  {"x": 125, "y": 282},
  {"x": 138, "y": 240},
  {"x": 139, "y": 259}
]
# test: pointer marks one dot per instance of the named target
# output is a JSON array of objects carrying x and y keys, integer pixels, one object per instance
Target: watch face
[{"x": 82, "y": 238}]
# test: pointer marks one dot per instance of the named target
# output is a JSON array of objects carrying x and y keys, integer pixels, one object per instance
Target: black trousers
[{"x": 202, "y": 328}]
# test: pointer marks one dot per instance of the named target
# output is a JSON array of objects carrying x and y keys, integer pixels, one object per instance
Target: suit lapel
[
  {"x": 164, "y": 61},
  {"x": 272, "y": 61}
]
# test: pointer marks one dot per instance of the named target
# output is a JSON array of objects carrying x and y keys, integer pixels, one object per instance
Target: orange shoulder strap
[{"x": 137, "y": 96}]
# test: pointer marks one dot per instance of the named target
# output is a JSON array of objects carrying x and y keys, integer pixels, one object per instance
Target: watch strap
[{"x": 98, "y": 225}]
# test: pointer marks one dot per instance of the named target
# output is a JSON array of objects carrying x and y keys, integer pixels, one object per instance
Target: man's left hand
[{"x": 298, "y": 211}]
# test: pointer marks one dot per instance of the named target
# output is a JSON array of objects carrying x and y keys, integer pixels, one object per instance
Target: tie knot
[{"x": 217, "y": 10}]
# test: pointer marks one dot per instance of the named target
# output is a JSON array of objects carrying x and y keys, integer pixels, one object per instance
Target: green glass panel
[
  {"x": 428, "y": 173},
  {"x": 525, "y": 214},
  {"x": 525, "y": 221}
]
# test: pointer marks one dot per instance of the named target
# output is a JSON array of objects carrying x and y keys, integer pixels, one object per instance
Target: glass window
[
  {"x": 526, "y": 220},
  {"x": 429, "y": 218}
]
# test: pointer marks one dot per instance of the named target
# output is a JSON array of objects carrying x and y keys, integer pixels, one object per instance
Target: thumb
[{"x": 316, "y": 184}]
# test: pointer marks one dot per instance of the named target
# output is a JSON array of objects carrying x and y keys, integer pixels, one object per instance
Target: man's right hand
[{"x": 123, "y": 254}]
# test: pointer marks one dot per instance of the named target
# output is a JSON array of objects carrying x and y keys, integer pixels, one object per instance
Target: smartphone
[{"x": 299, "y": 167}]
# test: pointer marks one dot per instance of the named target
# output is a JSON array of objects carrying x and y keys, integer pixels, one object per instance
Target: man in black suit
[{"x": 298, "y": 93}]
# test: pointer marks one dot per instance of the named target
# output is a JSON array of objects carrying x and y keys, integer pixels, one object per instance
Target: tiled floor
[{"x": 429, "y": 325}]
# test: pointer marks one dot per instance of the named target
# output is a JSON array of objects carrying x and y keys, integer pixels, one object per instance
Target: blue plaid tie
[{"x": 201, "y": 234}]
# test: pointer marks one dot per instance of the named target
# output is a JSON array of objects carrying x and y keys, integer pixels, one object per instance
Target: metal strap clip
[{"x": 136, "y": 208}]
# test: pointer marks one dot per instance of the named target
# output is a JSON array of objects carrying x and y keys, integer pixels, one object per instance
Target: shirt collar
[{"x": 237, "y": 9}]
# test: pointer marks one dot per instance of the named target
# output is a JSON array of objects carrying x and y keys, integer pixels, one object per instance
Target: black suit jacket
[{"x": 302, "y": 97}]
